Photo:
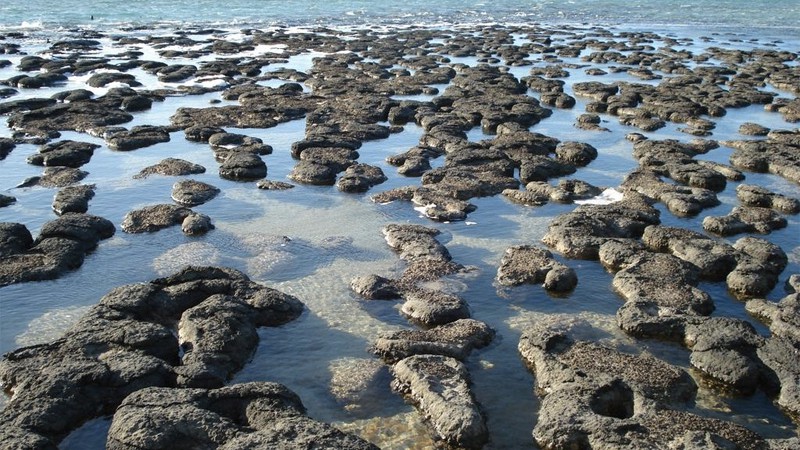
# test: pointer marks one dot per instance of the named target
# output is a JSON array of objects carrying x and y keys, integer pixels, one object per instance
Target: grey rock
[
  {"x": 271, "y": 185},
  {"x": 243, "y": 166},
  {"x": 250, "y": 415},
  {"x": 171, "y": 167},
  {"x": 360, "y": 178},
  {"x": 439, "y": 386},
  {"x": 745, "y": 219},
  {"x": 64, "y": 153},
  {"x": 455, "y": 339},
  {"x": 196, "y": 224},
  {"x": 527, "y": 264},
  {"x": 153, "y": 218},
  {"x": 137, "y": 137},
  {"x": 751, "y": 195},
  {"x": 374, "y": 287},
  {"x": 73, "y": 199},
  {"x": 193, "y": 193}
]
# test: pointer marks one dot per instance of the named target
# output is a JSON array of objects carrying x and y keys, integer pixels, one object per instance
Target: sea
[{"x": 311, "y": 241}]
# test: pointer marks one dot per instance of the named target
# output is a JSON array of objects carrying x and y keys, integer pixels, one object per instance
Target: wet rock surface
[
  {"x": 681, "y": 263},
  {"x": 251, "y": 415},
  {"x": 130, "y": 341},
  {"x": 61, "y": 246}
]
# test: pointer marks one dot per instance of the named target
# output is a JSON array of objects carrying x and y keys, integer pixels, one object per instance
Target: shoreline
[{"x": 493, "y": 135}]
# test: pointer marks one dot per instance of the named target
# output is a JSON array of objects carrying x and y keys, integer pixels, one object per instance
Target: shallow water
[{"x": 334, "y": 237}]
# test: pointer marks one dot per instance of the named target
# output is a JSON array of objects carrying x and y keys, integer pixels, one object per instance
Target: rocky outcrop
[
  {"x": 137, "y": 137},
  {"x": 171, "y": 167},
  {"x": 64, "y": 153},
  {"x": 243, "y": 166},
  {"x": 745, "y": 219},
  {"x": 250, "y": 415},
  {"x": 527, "y": 264},
  {"x": 192, "y": 329},
  {"x": 73, "y": 199},
  {"x": 778, "y": 154},
  {"x": 580, "y": 233},
  {"x": 439, "y": 385},
  {"x": 192, "y": 193},
  {"x": 62, "y": 245},
  {"x": 455, "y": 339},
  {"x": 538, "y": 193},
  {"x": 594, "y": 396},
  {"x": 683, "y": 201},
  {"x": 751, "y": 195},
  {"x": 153, "y": 218}
]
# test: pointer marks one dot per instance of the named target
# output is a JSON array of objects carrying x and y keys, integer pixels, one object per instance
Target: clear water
[{"x": 335, "y": 237}]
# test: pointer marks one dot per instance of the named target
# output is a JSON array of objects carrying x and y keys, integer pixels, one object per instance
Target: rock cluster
[{"x": 192, "y": 329}]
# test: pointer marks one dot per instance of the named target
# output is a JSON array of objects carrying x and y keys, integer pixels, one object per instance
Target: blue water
[
  {"x": 338, "y": 326},
  {"x": 781, "y": 15}
]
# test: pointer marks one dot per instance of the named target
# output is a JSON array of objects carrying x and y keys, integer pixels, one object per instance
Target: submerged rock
[{"x": 192, "y": 329}]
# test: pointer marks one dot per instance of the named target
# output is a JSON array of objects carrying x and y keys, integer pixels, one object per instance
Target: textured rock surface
[
  {"x": 251, "y": 415},
  {"x": 192, "y": 329},
  {"x": 527, "y": 264}
]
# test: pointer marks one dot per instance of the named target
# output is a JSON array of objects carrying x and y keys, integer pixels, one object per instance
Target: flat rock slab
[
  {"x": 193, "y": 193},
  {"x": 752, "y": 195},
  {"x": 137, "y": 137},
  {"x": 580, "y": 233},
  {"x": 439, "y": 387},
  {"x": 528, "y": 264},
  {"x": 745, "y": 219},
  {"x": 62, "y": 245},
  {"x": 73, "y": 199},
  {"x": 171, "y": 167},
  {"x": 192, "y": 329},
  {"x": 64, "y": 153},
  {"x": 429, "y": 307},
  {"x": 154, "y": 218},
  {"x": 455, "y": 339},
  {"x": 250, "y": 415}
]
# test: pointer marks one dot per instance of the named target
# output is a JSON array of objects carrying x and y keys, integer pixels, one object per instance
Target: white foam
[{"x": 606, "y": 197}]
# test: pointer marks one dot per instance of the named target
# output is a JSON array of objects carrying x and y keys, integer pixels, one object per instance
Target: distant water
[{"x": 783, "y": 15}]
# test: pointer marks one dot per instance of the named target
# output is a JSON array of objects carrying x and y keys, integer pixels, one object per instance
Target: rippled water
[{"x": 333, "y": 237}]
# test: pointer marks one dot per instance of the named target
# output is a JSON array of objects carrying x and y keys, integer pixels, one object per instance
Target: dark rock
[
  {"x": 136, "y": 103},
  {"x": 243, "y": 166},
  {"x": 171, "y": 167},
  {"x": 79, "y": 116},
  {"x": 271, "y": 185},
  {"x": 577, "y": 153},
  {"x": 175, "y": 73},
  {"x": 138, "y": 137},
  {"x": 543, "y": 168},
  {"x": 597, "y": 397},
  {"x": 430, "y": 308},
  {"x": 374, "y": 287},
  {"x": 714, "y": 257},
  {"x": 73, "y": 199},
  {"x": 439, "y": 386},
  {"x": 308, "y": 172},
  {"x": 360, "y": 178},
  {"x": 580, "y": 233},
  {"x": 745, "y": 219},
  {"x": 751, "y": 195},
  {"x": 199, "y": 133},
  {"x": 455, "y": 339},
  {"x": 61, "y": 246},
  {"x": 6, "y": 200},
  {"x": 250, "y": 415},
  {"x": 778, "y": 154},
  {"x": 154, "y": 218},
  {"x": 193, "y": 193},
  {"x": 196, "y": 224},
  {"x": 59, "y": 176},
  {"x": 527, "y": 264},
  {"x": 753, "y": 129},
  {"x": 6, "y": 145},
  {"x": 192, "y": 329},
  {"x": 683, "y": 201},
  {"x": 64, "y": 153},
  {"x": 760, "y": 262},
  {"x": 724, "y": 349},
  {"x": 223, "y": 144},
  {"x": 102, "y": 79}
]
